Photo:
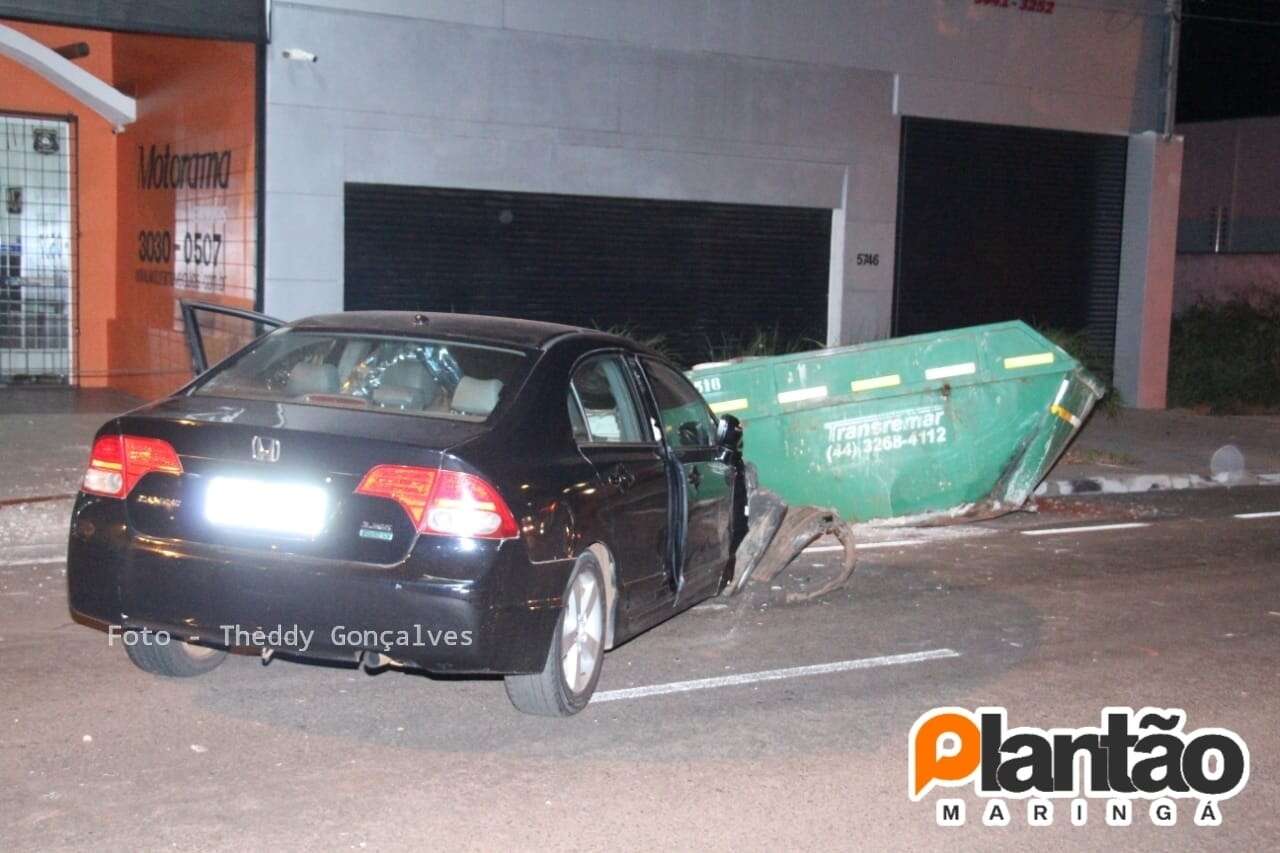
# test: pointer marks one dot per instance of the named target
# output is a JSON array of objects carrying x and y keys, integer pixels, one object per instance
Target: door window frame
[
  {"x": 638, "y": 400},
  {"x": 657, "y": 409},
  {"x": 191, "y": 326}
]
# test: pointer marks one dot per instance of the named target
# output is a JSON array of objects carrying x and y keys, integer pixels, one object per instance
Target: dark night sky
[{"x": 1229, "y": 68}]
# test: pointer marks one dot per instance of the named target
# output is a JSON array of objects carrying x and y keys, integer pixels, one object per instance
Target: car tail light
[
  {"x": 446, "y": 502},
  {"x": 118, "y": 462}
]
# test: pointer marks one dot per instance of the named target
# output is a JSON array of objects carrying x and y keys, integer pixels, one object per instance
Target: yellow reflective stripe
[
  {"x": 887, "y": 381},
  {"x": 815, "y": 393},
  {"x": 1035, "y": 360},
  {"x": 1065, "y": 415},
  {"x": 729, "y": 406}
]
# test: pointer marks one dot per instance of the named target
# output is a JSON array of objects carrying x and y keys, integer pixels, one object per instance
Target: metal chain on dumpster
[{"x": 777, "y": 534}]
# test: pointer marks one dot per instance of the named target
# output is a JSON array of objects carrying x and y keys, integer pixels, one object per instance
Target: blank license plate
[{"x": 290, "y": 508}]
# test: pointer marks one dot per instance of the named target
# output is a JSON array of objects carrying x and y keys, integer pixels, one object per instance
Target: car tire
[
  {"x": 575, "y": 658},
  {"x": 174, "y": 659}
]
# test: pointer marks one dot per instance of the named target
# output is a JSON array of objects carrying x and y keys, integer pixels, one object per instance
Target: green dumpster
[{"x": 950, "y": 425}]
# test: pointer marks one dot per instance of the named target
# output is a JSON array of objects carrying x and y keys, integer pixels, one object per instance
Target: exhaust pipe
[{"x": 374, "y": 662}]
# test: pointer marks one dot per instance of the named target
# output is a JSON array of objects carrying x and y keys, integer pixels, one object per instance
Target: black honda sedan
[{"x": 452, "y": 493}]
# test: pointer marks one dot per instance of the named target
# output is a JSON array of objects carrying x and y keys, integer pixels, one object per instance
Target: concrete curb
[{"x": 1086, "y": 486}]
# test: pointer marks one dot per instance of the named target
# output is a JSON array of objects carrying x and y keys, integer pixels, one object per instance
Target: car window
[
  {"x": 601, "y": 405},
  {"x": 687, "y": 421},
  {"x": 342, "y": 370}
]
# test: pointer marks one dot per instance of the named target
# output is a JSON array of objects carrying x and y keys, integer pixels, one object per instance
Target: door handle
[
  {"x": 621, "y": 478},
  {"x": 695, "y": 477}
]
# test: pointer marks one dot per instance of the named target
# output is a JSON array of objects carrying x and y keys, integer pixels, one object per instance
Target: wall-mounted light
[{"x": 297, "y": 54}]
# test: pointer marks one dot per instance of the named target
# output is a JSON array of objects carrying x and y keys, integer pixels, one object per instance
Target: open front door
[
  {"x": 216, "y": 331},
  {"x": 705, "y": 477}
]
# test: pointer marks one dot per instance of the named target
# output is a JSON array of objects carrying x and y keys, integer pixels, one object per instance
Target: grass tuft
[{"x": 758, "y": 342}]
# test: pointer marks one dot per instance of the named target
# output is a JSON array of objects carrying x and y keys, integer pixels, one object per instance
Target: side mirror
[{"x": 729, "y": 433}]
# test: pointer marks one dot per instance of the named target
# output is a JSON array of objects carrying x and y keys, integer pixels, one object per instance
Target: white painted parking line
[
  {"x": 772, "y": 675},
  {"x": 33, "y": 562},
  {"x": 1247, "y": 515},
  {"x": 1088, "y": 528},
  {"x": 892, "y": 543}
]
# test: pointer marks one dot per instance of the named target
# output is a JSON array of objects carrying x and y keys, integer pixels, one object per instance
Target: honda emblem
[{"x": 265, "y": 449}]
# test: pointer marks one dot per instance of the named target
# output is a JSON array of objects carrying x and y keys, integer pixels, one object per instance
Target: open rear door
[{"x": 216, "y": 331}]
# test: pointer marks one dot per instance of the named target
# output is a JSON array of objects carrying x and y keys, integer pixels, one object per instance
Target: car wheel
[
  {"x": 175, "y": 658},
  {"x": 573, "y": 664}
]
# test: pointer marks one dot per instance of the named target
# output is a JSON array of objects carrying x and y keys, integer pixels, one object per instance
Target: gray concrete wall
[{"x": 752, "y": 101}]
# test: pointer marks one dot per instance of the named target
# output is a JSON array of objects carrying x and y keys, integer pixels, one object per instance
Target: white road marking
[
  {"x": 1247, "y": 515},
  {"x": 33, "y": 562},
  {"x": 772, "y": 675},
  {"x": 1088, "y": 528},
  {"x": 892, "y": 543}
]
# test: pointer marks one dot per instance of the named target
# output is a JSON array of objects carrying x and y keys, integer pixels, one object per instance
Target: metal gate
[
  {"x": 37, "y": 230},
  {"x": 1009, "y": 223},
  {"x": 706, "y": 276}
]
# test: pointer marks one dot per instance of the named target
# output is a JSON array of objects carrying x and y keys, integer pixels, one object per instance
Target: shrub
[
  {"x": 758, "y": 341},
  {"x": 656, "y": 342},
  {"x": 1226, "y": 355}
]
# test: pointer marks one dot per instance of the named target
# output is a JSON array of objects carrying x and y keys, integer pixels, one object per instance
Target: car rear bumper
[{"x": 466, "y": 606}]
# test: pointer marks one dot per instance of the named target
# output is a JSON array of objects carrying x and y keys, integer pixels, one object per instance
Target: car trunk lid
[{"x": 281, "y": 478}]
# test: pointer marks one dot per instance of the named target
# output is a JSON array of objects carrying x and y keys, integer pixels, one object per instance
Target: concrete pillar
[
  {"x": 863, "y": 240},
  {"x": 835, "y": 282},
  {"x": 1148, "y": 248}
]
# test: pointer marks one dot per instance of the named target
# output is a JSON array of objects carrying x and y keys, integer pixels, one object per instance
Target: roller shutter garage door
[
  {"x": 697, "y": 273},
  {"x": 1001, "y": 223}
]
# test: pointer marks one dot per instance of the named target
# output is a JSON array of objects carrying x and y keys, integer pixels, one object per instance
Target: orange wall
[
  {"x": 194, "y": 96},
  {"x": 24, "y": 91}
]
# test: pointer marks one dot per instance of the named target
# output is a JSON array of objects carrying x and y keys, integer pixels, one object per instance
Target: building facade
[
  {"x": 1229, "y": 216},
  {"x": 712, "y": 169}
]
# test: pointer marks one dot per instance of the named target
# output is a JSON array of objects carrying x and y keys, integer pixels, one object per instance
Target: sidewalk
[
  {"x": 1139, "y": 450},
  {"x": 45, "y": 435}
]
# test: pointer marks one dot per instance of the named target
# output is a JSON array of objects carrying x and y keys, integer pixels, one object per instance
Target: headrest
[
  {"x": 309, "y": 378},
  {"x": 412, "y": 374},
  {"x": 476, "y": 396}
]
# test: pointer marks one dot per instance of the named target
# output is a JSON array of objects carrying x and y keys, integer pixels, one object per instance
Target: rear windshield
[{"x": 415, "y": 376}]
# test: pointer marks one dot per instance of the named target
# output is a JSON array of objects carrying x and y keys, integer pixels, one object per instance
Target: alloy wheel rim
[{"x": 581, "y": 632}]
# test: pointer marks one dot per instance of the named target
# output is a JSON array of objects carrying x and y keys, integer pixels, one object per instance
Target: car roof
[{"x": 467, "y": 327}]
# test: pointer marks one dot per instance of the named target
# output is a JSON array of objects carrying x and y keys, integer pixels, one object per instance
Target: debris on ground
[{"x": 777, "y": 534}]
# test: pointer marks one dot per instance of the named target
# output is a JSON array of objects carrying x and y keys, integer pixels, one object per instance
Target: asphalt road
[{"x": 1183, "y": 612}]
